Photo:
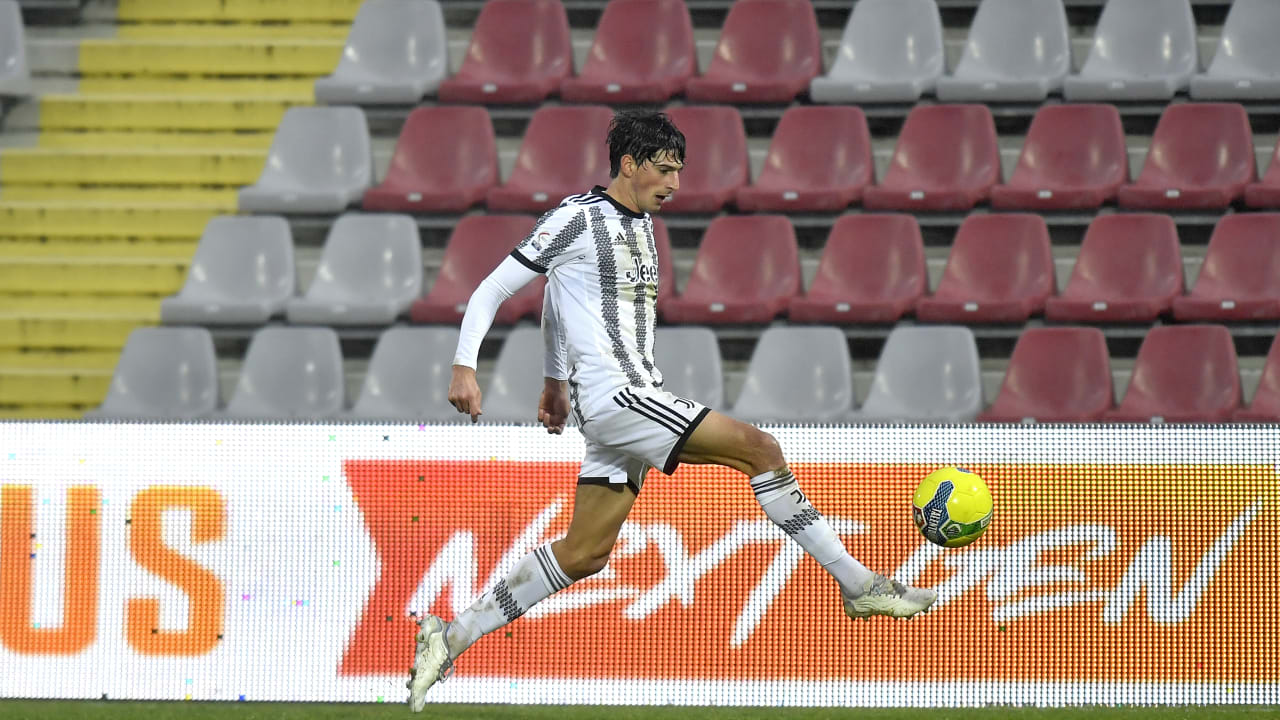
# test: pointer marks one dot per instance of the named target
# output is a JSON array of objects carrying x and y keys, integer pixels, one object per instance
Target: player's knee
[
  {"x": 586, "y": 561},
  {"x": 766, "y": 453}
]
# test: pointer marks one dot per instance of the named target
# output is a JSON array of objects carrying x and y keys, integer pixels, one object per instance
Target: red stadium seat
[
  {"x": 478, "y": 244},
  {"x": 1000, "y": 270},
  {"x": 1201, "y": 156},
  {"x": 768, "y": 52},
  {"x": 520, "y": 52},
  {"x": 643, "y": 53},
  {"x": 1074, "y": 157},
  {"x": 562, "y": 153},
  {"x": 715, "y": 137},
  {"x": 1184, "y": 373},
  {"x": 947, "y": 158},
  {"x": 872, "y": 271},
  {"x": 747, "y": 269},
  {"x": 819, "y": 160},
  {"x": 1129, "y": 269},
  {"x": 1266, "y": 194},
  {"x": 666, "y": 266},
  {"x": 1240, "y": 277},
  {"x": 445, "y": 161},
  {"x": 1055, "y": 375},
  {"x": 1265, "y": 406}
]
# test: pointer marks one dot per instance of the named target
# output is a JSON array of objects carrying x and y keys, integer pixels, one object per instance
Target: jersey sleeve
[{"x": 553, "y": 239}]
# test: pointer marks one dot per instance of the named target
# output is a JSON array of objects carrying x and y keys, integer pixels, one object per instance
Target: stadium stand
[
  {"x": 643, "y": 52},
  {"x": 320, "y": 162},
  {"x": 947, "y": 158},
  {"x": 520, "y": 53},
  {"x": 445, "y": 160},
  {"x": 15, "y": 76},
  {"x": 289, "y": 373},
  {"x": 689, "y": 358},
  {"x": 1142, "y": 50},
  {"x": 1266, "y": 193},
  {"x": 1246, "y": 64},
  {"x": 168, "y": 373},
  {"x": 396, "y": 53},
  {"x": 1184, "y": 373},
  {"x": 768, "y": 52},
  {"x": 1265, "y": 406},
  {"x": 554, "y": 162},
  {"x": 242, "y": 274},
  {"x": 716, "y": 133},
  {"x": 1074, "y": 157},
  {"x": 1201, "y": 156},
  {"x": 925, "y": 374},
  {"x": 1055, "y": 375},
  {"x": 891, "y": 51},
  {"x": 513, "y": 391},
  {"x": 408, "y": 377},
  {"x": 778, "y": 389},
  {"x": 1238, "y": 279},
  {"x": 1017, "y": 51}
]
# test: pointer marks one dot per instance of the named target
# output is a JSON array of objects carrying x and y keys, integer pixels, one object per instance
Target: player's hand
[
  {"x": 464, "y": 392},
  {"x": 553, "y": 406}
]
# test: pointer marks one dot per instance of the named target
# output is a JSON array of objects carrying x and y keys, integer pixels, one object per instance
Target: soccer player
[{"x": 599, "y": 311}]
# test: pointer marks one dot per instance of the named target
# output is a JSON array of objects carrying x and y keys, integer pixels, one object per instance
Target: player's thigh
[{"x": 721, "y": 440}]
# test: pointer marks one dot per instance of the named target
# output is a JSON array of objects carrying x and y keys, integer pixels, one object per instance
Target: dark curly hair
[{"x": 644, "y": 135}]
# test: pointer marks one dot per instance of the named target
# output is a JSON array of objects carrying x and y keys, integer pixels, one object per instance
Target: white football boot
[
  {"x": 884, "y": 596},
  {"x": 431, "y": 661}
]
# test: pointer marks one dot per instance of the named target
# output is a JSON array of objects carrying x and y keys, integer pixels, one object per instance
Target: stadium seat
[
  {"x": 477, "y": 245},
  {"x": 1142, "y": 50},
  {"x": 1201, "y": 157},
  {"x": 947, "y": 158},
  {"x": 520, "y": 53},
  {"x": 819, "y": 160},
  {"x": 1265, "y": 406},
  {"x": 289, "y": 373},
  {"x": 777, "y": 388},
  {"x": 891, "y": 51},
  {"x": 1017, "y": 51},
  {"x": 1000, "y": 270},
  {"x": 925, "y": 374},
  {"x": 666, "y": 266},
  {"x": 1184, "y": 373},
  {"x": 1055, "y": 375},
  {"x": 163, "y": 373},
  {"x": 689, "y": 359},
  {"x": 370, "y": 271},
  {"x": 1129, "y": 269},
  {"x": 408, "y": 376},
  {"x": 1240, "y": 277},
  {"x": 513, "y": 391},
  {"x": 320, "y": 162},
  {"x": 1266, "y": 193},
  {"x": 746, "y": 271},
  {"x": 445, "y": 160},
  {"x": 15, "y": 75},
  {"x": 715, "y": 134},
  {"x": 1246, "y": 65},
  {"x": 241, "y": 274},
  {"x": 643, "y": 52},
  {"x": 1074, "y": 158},
  {"x": 562, "y": 153},
  {"x": 768, "y": 52},
  {"x": 872, "y": 271},
  {"x": 396, "y": 52}
]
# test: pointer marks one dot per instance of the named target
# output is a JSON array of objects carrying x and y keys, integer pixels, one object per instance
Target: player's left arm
[{"x": 553, "y": 405}]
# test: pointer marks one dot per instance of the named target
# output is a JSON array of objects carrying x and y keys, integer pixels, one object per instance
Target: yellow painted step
[
  {"x": 32, "y": 166},
  {"x": 237, "y": 10},
  {"x": 159, "y": 140},
  {"x": 300, "y": 90},
  {"x": 89, "y": 274},
  {"x": 209, "y": 57},
  {"x": 62, "y": 219},
  {"x": 224, "y": 200},
  {"x": 46, "y": 387},
  {"x": 238, "y": 31},
  {"x": 41, "y": 412},
  {"x": 73, "y": 321},
  {"x": 181, "y": 250},
  {"x": 146, "y": 112},
  {"x": 67, "y": 361}
]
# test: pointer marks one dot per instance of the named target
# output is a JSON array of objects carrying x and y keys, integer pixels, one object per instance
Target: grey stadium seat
[
  {"x": 241, "y": 274},
  {"x": 1247, "y": 63},
  {"x": 1142, "y": 50},
  {"x": 163, "y": 374},
  {"x": 891, "y": 51},
  {"x": 320, "y": 162},
  {"x": 408, "y": 376},
  {"x": 516, "y": 386},
  {"x": 1017, "y": 51},
  {"x": 396, "y": 52},
  {"x": 15, "y": 76},
  {"x": 926, "y": 374},
  {"x": 289, "y": 373},
  {"x": 369, "y": 273},
  {"x": 689, "y": 359},
  {"x": 780, "y": 389}
]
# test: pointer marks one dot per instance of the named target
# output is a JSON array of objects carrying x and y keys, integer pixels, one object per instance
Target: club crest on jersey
[
  {"x": 539, "y": 239},
  {"x": 641, "y": 272}
]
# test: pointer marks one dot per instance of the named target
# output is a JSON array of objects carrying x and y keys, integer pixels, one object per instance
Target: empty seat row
[
  {"x": 819, "y": 159},
  {"x": 15, "y": 75},
  {"x": 771, "y": 51},
  {"x": 924, "y": 374}
]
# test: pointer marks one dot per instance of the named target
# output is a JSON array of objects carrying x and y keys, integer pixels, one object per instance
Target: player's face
[{"x": 656, "y": 180}]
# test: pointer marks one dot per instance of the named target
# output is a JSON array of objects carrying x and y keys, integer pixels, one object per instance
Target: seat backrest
[
  {"x": 769, "y": 37},
  {"x": 445, "y": 146},
  {"x": 477, "y": 245},
  {"x": 1248, "y": 40},
  {"x": 892, "y": 40},
  {"x": 1144, "y": 37},
  {"x": 820, "y": 145},
  {"x": 942, "y": 143},
  {"x": 875, "y": 255},
  {"x": 1021, "y": 38},
  {"x": 521, "y": 37},
  {"x": 516, "y": 385},
  {"x": 1135, "y": 255},
  {"x": 169, "y": 372},
  {"x": 644, "y": 39},
  {"x": 370, "y": 256},
  {"x": 744, "y": 257},
  {"x": 553, "y": 151},
  {"x": 396, "y": 39},
  {"x": 998, "y": 257},
  {"x": 1201, "y": 144},
  {"x": 15, "y": 75},
  {"x": 1243, "y": 256},
  {"x": 926, "y": 374},
  {"x": 243, "y": 257},
  {"x": 717, "y": 146},
  {"x": 1061, "y": 370},
  {"x": 666, "y": 265},
  {"x": 1075, "y": 144},
  {"x": 320, "y": 147},
  {"x": 290, "y": 372},
  {"x": 777, "y": 388},
  {"x": 1269, "y": 386},
  {"x": 689, "y": 360},
  {"x": 409, "y": 375},
  {"x": 1186, "y": 367}
]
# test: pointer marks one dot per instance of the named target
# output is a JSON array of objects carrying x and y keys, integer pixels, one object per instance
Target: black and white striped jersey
[{"x": 601, "y": 264}]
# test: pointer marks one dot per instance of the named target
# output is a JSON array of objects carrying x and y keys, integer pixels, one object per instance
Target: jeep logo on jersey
[{"x": 642, "y": 272}]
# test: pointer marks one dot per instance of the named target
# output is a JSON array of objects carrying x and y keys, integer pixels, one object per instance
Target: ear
[{"x": 627, "y": 166}]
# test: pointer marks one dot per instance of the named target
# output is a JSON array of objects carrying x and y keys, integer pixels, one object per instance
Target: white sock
[
  {"x": 535, "y": 577},
  {"x": 779, "y": 494}
]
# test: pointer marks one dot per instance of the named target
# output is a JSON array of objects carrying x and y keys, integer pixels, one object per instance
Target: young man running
[{"x": 599, "y": 311}]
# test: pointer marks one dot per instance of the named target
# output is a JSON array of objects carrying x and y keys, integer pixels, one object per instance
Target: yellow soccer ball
[{"x": 952, "y": 507}]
